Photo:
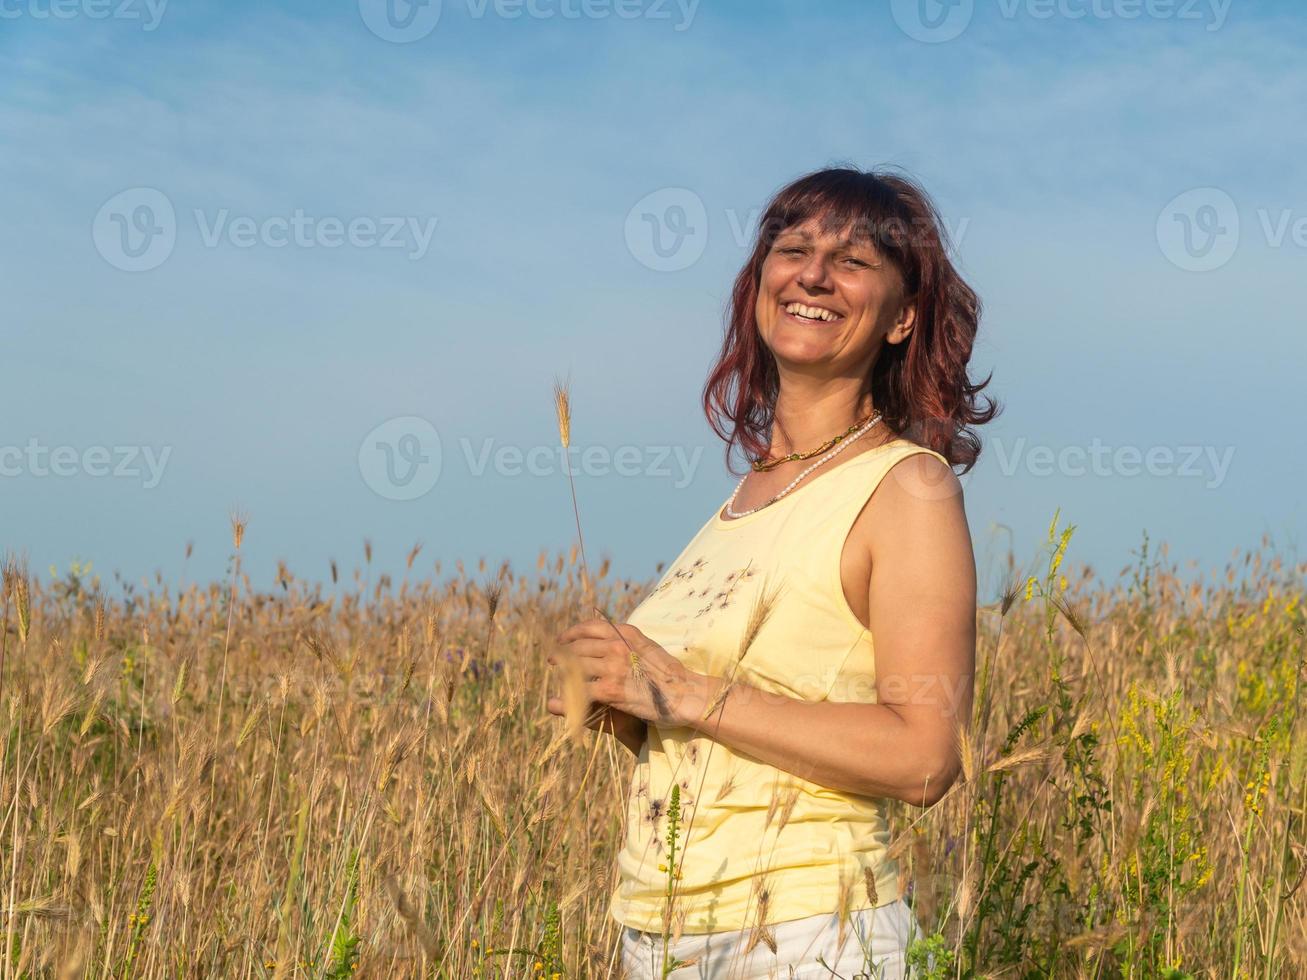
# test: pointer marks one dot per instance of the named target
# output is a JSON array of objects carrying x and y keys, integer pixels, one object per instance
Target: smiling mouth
[{"x": 804, "y": 313}]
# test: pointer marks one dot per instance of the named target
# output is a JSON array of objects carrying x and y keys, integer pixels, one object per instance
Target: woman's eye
[{"x": 857, "y": 262}]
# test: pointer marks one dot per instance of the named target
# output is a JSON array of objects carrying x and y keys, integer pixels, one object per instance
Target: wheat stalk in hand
[{"x": 563, "y": 409}]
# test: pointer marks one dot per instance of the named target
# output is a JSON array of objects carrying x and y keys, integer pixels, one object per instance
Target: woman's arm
[{"x": 922, "y": 616}]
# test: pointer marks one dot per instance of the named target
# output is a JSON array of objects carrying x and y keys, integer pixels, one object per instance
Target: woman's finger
[
  {"x": 598, "y": 629},
  {"x": 585, "y": 628},
  {"x": 554, "y": 705},
  {"x": 592, "y": 648}
]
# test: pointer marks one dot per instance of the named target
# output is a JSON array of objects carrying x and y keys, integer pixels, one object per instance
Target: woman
[{"x": 748, "y": 679}]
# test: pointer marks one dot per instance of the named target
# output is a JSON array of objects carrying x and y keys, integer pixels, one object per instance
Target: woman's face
[{"x": 827, "y": 302}]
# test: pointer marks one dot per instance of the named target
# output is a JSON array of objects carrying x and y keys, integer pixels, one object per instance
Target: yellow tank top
[{"x": 743, "y": 860}]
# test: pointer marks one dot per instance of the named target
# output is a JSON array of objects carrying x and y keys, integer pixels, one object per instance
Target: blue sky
[{"x": 251, "y": 249}]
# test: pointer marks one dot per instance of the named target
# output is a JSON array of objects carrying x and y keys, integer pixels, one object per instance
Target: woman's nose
[{"x": 813, "y": 274}]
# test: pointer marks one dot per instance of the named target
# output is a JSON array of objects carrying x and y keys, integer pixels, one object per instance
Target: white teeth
[{"x": 811, "y": 312}]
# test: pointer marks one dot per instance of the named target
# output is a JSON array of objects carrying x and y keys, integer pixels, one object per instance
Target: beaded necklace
[
  {"x": 842, "y": 445},
  {"x": 762, "y": 464}
]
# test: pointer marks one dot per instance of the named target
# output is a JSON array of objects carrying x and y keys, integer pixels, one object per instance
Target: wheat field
[{"x": 360, "y": 779}]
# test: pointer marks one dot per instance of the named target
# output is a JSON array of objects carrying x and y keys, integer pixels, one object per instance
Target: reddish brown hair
[{"x": 920, "y": 386}]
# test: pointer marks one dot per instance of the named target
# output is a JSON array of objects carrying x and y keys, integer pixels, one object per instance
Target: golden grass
[{"x": 384, "y": 794}]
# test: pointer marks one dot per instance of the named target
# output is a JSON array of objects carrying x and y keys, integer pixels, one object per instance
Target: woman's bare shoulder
[
  {"x": 918, "y": 491},
  {"x": 923, "y": 474}
]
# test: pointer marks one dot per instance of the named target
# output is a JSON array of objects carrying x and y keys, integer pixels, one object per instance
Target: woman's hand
[
  {"x": 631, "y": 673},
  {"x": 627, "y": 729}
]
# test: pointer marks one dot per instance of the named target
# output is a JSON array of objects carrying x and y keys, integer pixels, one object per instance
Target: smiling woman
[{"x": 770, "y": 729}]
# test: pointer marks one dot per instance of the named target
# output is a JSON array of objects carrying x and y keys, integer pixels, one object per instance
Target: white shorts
[{"x": 874, "y": 948}]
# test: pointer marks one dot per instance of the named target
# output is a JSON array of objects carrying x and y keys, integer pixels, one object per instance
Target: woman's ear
[{"x": 902, "y": 328}]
